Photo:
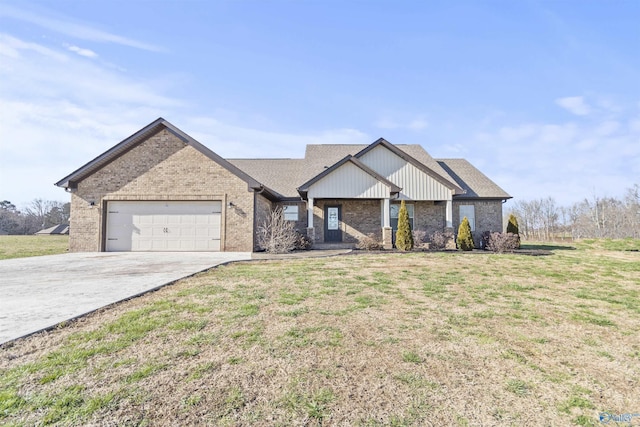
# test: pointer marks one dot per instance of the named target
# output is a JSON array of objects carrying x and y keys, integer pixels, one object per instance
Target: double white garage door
[{"x": 163, "y": 226}]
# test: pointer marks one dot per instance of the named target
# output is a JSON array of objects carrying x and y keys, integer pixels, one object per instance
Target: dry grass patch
[{"x": 369, "y": 340}]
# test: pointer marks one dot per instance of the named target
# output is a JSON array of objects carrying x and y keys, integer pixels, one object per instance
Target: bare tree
[
  {"x": 39, "y": 214},
  {"x": 276, "y": 234},
  {"x": 594, "y": 217}
]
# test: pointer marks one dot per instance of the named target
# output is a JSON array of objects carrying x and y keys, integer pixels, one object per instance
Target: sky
[{"x": 541, "y": 96}]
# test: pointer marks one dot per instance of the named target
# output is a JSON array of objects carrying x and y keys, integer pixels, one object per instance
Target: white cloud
[
  {"x": 567, "y": 161},
  {"x": 386, "y": 123},
  {"x": 607, "y": 128},
  {"x": 61, "y": 111},
  {"x": 78, "y": 30},
  {"x": 83, "y": 52},
  {"x": 13, "y": 48},
  {"x": 233, "y": 141},
  {"x": 575, "y": 105},
  {"x": 403, "y": 122},
  {"x": 418, "y": 124}
]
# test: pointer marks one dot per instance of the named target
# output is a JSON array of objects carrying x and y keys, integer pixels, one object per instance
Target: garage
[{"x": 186, "y": 226}]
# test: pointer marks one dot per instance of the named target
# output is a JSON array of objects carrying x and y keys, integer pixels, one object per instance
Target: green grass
[
  {"x": 628, "y": 244},
  {"x": 370, "y": 340},
  {"x": 29, "y": 246}
]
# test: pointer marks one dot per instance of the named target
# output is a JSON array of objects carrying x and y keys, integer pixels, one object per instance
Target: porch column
[
  {"x": 387, "y": 236},
  {"x": 449, "y": 214},
  {"x": 310, "y": 230},
  {"x": 386, "y": 207}
]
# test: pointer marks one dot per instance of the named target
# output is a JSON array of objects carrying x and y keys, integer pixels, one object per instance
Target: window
[
  {"x": 395, "y": 210},
  {"x": 469, "y": 212},
  {"x": 290, "y": 212}
]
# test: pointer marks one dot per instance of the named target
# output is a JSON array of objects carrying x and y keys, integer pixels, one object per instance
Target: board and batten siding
[
  {"x": 349, "y": 182},
  {"x": 415, "y": 183}
]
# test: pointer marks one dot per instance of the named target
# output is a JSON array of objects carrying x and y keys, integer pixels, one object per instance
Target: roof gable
[
  {"x": 348, "y": 160},
  {"x": 70, "y": 181},
  {"x": 381, "y": 142}
]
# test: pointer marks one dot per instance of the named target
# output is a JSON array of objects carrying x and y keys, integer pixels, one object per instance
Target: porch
[{"x": 343, "y": 222}]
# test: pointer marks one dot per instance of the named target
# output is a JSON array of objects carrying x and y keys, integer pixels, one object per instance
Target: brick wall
[
  {"x": 161, "y": 168},
  {"x": 359, "y": 218},
  {"x": 362, "y": 217},
  {"x": 488, "y": 215},
  {"x": 429, "y": 217}
]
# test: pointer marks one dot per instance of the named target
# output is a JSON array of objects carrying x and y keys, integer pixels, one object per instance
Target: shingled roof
[
  {"x": 284, "y": 176},
  {"x": 475, "y": 183}
]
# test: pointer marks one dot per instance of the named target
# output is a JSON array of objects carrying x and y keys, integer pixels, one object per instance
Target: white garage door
[{"x": 163, "y": 226}]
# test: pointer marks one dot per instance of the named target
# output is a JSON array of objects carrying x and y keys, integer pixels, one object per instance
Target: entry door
[{"x": 332, "y": 220}]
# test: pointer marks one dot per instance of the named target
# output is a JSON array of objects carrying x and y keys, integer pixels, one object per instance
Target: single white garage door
[{"x": 163, "y": 226}]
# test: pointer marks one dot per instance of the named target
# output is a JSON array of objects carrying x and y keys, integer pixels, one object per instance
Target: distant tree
[
  {"x": 58, "y": 214},
  {"x": 404, "y": 237},
  {"x": 9, "y": 217},
  {"x": 7, "y": 206},
  {"x": 465, "y": 238},
  {"x": 593, "y": 217}
]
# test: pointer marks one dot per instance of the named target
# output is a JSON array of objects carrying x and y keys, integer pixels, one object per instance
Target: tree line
[
  {"x": 594, "y": 217},
  {"x": 36, "y": 216}
]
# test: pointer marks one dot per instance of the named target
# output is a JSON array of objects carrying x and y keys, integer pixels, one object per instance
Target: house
[
  {"x": 56, "y": 229},
  {"x": 161, "y": 190}
]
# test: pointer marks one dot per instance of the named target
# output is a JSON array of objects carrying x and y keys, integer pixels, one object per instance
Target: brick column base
[
  {"x": 311, "y": 234},
  {"x": 387, "y": 238}
]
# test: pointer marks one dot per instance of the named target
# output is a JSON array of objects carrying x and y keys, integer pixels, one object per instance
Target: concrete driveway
[{"x": 40, "y": 292}]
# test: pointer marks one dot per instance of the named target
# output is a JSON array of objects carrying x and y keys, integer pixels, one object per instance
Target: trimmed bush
[
  {"x": 303, "y": 242},
  {"x": 438, "y": 241},
  {"x": 512, "y": 227},
  {"x": 369, "y": 243},
  {"x": 465, "y": 238},
  {"x": 404, "y": 238},
  {"x": 512, "y": 224},
  {"x": 503, "y": 242},
  {"x": 420, "y": 239}
]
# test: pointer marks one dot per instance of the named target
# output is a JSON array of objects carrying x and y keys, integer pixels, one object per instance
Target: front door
[{"x": 332, "y": 219}]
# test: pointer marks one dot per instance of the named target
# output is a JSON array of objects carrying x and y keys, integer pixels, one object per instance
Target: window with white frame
[
  {"x": 469, "y": 212},
  {"x": 290, "y": 212}
]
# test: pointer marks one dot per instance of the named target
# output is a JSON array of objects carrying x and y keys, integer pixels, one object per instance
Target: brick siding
[
  {"x": 488, "y": 215},
  {"x": 161, "y": 168}
]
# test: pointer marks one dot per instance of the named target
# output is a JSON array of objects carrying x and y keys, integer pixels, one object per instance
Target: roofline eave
[{"x": 71, "y": 180}]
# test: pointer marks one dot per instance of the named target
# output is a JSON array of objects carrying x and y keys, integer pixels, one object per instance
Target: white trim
[
  {"x": 310, "y": 212},
  {"x": 386, "y": 207}
]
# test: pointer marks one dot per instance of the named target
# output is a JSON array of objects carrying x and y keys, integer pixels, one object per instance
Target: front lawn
[
  {"x": 366, "y": 340},
  {"x": 27, "y": 246}
]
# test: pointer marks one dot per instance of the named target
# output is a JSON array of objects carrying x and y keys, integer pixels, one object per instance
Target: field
[
  {"x": 370, "y": 339},
  {"x": 27, "y": 246}
]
